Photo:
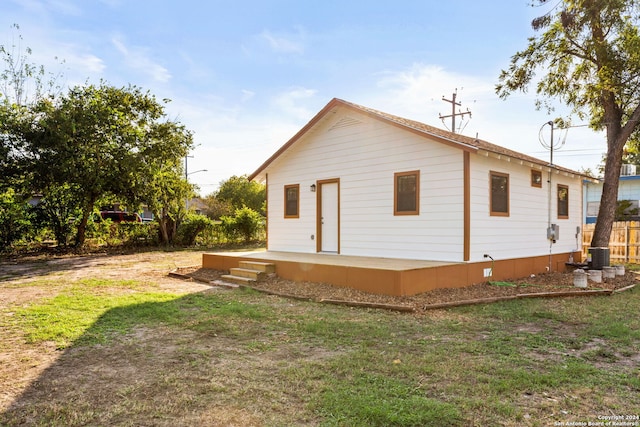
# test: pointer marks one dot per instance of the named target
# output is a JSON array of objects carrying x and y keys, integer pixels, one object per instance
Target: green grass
[
  {"x": 299, "y": 363},
  {"x": 76, "y": 315}
]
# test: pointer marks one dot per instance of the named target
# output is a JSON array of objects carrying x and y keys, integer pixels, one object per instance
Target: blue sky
[{"x": 245, "y": 76}]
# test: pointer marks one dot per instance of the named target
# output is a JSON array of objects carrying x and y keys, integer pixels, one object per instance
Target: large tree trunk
[
  {"x": 82, "y": 227},
  {"x": 162, "y": 223},
  {"x": 609, "y": 198}
]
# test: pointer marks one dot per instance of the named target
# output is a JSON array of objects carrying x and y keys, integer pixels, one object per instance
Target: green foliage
[
  {"x": 589, "y": 54},
  {"x": 238, "y": 192},
  {"x": 244, "y": 224},
  {"x": 165, "y": 192},
  {"x": 98, "y": 141},
  {"x": 20, "y": 75},
  {"x": 133, "y": 234},
  {"x": 91, "y": 143},
  {"x": 192, "y": 226},
  {"x": 58, "y": 210},
  {"x": 15, "y": 218},
  {"x": 624, "y": 211},
  {"x": 216, "y": 208}
]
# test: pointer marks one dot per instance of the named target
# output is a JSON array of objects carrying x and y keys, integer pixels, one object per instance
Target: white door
[{"x": 329, "y": 223}]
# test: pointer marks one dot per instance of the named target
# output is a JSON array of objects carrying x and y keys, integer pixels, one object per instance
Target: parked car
[{"x": 120, "y": 216}]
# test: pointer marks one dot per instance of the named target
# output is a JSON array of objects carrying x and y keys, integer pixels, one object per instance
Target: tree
[
  {"x": 101, "y": 140},
  {"x": 165, "y": 194},
  {"x": 590, "y": 53},
  {"x": 58, "y": 209},
  {"x": 238, "y": 191},
  {"x": 22, "y": 81},
  {"x": 15, "y": 218},
  {"x": 22, "y": 84}
]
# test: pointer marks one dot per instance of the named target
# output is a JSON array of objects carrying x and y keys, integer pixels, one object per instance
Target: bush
[
  {"x": 193, "y": 226},
  {"x": 15, "y": 219},
  {"x": 106, "y": 232},
  {"x": 245, "y": 224}
]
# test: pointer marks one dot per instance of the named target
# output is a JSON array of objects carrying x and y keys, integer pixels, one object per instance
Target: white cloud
[
  {"x": 292, "y": 103},
  {"x": 417, "y": 91},
  {"x": 247, "y": 95},
  {"x": 137, "y": 58},
  {"x": 285, "y": 43}
]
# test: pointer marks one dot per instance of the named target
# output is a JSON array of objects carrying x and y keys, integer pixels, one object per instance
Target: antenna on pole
[{"x": 453, "y": 114}]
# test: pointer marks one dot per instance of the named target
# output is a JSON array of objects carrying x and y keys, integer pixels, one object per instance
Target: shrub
[
  {"x": 245, "y": 224},
  {"x": 15, "y": 218},
  {"x": 193, "y": 226}
]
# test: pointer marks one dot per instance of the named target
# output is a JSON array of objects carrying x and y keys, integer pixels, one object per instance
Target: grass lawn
[{"x": 130, "y": 353}]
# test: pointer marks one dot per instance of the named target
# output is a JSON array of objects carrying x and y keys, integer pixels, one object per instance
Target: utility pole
[{"x": 453, "y": 114}]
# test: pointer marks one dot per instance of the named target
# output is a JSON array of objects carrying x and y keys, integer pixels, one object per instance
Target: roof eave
[{"x": 295, "y": 138}]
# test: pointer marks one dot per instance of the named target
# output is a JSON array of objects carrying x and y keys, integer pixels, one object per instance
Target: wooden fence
[{"x": 624, "y": 244}]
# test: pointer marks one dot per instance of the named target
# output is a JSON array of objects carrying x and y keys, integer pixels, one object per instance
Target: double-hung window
[
  {"x": 499, "y": 196},
  {"x": 563, "y": 201},
  {"x": 406, "y": 193},
  {"x": 292, "y": 201}
]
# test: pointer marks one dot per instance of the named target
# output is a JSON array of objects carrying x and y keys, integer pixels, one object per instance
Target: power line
[{"x": 453, "y": 114}]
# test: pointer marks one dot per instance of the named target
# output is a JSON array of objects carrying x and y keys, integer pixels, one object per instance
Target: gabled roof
[{"x": 463, "y": 142}]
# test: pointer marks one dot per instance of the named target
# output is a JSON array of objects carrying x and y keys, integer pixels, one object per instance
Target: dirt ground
[{"x": 21, "y": 364}]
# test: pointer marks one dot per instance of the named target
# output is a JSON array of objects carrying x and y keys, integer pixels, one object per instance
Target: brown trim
[
  {"x": 266, "y": 210},
  {"x": 395, "y": 193},
  {"x": 467, "y": 206},
  {"x": 491, "y": 211},
  {"x": 566, "y": 187},
  {"x": 536, "y": 182},
  {"x": 286, "y": 188},
  {"x": 319, "y": 185},
  {"x": 318, "y": 216},
  {"x": 420, "y": 129},
  {"x": 334, "y": 103}
]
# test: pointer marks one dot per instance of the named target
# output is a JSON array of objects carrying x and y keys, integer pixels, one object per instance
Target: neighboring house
[
  {"x": 356, "y": 181},
  {"x": 197, "y": 205},
  {"x": 628, "y": 189}
]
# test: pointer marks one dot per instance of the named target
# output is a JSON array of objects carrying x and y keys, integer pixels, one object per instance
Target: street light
[
  {"x": 191, "y": 173},
  {"x": 186, "y": 176}
]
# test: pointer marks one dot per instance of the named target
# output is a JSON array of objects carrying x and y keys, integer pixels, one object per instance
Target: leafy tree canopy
[
  {"x": 589, "y": 52},
  {"x": 101, "y": 140},
  {"x": 238, "y": 191}
]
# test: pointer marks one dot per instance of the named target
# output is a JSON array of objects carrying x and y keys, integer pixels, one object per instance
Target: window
[
  {"x": 536, "y": 178},
  {"x": 499, "y": 196},
  {"x": 292, "y": 201},
  {"x": 563, "y": 201},
  {"x": 406, "y": 191}
]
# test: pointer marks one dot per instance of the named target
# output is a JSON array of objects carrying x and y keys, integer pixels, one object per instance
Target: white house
[
  {"x": 369, "y": 200},
  {"x": 356, "y": 181}
]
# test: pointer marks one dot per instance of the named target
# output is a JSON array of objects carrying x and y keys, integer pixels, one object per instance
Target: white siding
[
  {"x": 524, "y": 232},
  {"x": 364, "y": 155}
]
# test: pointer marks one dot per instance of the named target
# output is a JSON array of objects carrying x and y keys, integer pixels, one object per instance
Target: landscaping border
[{"x": 426, "y": 307}]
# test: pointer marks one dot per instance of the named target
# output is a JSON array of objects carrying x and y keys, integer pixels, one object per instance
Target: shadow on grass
[{"x": 150, "y": 363}]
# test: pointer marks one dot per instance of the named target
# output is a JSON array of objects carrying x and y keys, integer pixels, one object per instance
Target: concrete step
[
  {"x": 265, "y": 267},
  {"x": 224, "y": 284},
  {"x": 239, "y": 280},
  {"x": 246, "y": 272}
]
